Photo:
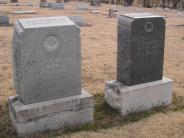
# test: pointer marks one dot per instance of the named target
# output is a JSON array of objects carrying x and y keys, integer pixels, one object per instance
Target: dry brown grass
[{"x": 99, "y": 64}]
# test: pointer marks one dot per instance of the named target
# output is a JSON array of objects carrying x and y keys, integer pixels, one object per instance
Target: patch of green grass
[
  {"x": 104, "y": 117},
  {"x": 6, "y": 131}
]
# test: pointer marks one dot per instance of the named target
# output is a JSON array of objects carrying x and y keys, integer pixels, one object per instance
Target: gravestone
[
  {"x": 24, "y": 12},
  {"x": 78, "y": 20},
  {"x": 24, "y": 4},
  {"x": 57, "y": 5},
  {"x": 4, "y": 20},
  {"x": 47, "y": 76},
  {"x": 112, "y": 12},
  {"x": 3, "y": 1},
  {"x": 44, "y": 4},
  {"x": 50, "y": 4},
  {"x": 140, "y": 48},
  {"x": 94, "y": 2},
  {"x": 82, "y": 6},
  {"x": 50, "y": 63},
  {"x": 139, "y": 85}
]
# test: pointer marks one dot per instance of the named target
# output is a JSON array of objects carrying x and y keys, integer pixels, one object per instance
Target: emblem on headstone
[
  {"x": 149, "y": 27},
  {"x": 51, "y": 43}
]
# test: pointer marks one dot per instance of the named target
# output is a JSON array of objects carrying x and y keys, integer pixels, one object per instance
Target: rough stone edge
[
  {"x": 115, "y": 94},
  {"x": 56, "y": 120},
  {"x": 25, "y": 113}
]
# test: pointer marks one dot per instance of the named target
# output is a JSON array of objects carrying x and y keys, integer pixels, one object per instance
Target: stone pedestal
[
  {"x": 50, "y": 115},
  {"x": 128, "y": 99}
]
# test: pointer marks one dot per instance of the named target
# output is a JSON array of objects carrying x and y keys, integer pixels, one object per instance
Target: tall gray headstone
[
  {"x": 140, "y": 48},
  {"x": 47, "y": 76},
  {"x": 46, "y": 59}
]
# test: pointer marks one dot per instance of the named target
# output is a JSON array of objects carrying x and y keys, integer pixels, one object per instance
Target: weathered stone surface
[
  {"x": 129, "y": 99},
  {"x": 140, "y": 48},
  {"x": 49, "y": 115},
  {"x": 57, "y": 5},
  {"x": 4, "y": 19},
  {"x": 46, "y": 59},
  {"x": 78, "y": 20}
]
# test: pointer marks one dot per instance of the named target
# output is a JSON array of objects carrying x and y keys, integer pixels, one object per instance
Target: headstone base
[
  {"x": 129, "y": 99},
  {"x": 51, "y": 115}
]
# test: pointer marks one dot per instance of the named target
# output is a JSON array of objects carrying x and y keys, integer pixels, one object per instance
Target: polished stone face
[
  {"x": 140, "y": 48},
  {"x": 46, "y": 59}
]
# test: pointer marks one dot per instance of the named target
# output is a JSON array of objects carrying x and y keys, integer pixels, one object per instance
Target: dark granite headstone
[
  {"x": 4, "y": 20},
  {"x": 140, "y": 48}
]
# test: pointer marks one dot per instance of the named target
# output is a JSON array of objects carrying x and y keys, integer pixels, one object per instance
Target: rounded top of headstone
[
  {"x": 45, "y": 22},
  {"x": 142, "y": 15}
]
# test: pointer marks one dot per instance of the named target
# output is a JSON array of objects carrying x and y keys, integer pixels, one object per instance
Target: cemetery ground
[{"x": 99, "y": 50}]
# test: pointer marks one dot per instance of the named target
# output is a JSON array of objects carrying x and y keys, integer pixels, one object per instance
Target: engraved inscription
[
  {"x": 51, "y": 43},
  {"x": 144, "y": 46}
]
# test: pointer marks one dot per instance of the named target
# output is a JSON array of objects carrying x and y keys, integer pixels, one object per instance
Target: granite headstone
[
  {"x": 141, "y": 39},
  {"x": 46, "y": 59},
  {"x": 4, "y": 20},
  {"x": 57, "y": 5}
]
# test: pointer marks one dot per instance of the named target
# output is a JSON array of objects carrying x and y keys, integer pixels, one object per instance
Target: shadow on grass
[{"x": 104, "y": 117}]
